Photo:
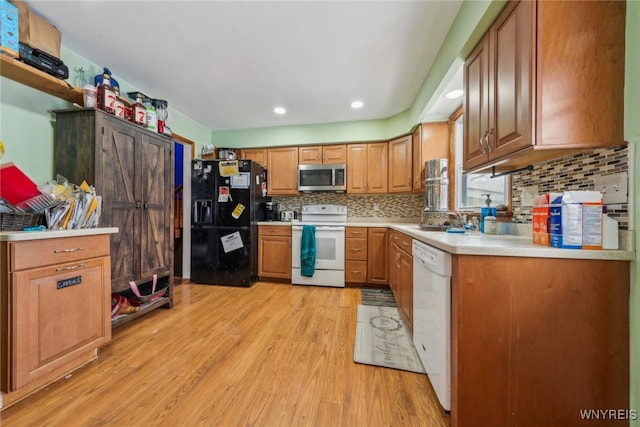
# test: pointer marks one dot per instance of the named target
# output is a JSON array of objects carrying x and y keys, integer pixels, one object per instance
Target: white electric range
[{"x": 329, "y": 222}]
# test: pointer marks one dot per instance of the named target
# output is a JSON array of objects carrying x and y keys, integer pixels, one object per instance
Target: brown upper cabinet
[
  {"x": 319, "y": 154},
  {"x": 400, "y": 163},
  {"x": 430, "y": 141},
  {"x": 367, "y": 166},
  {"x": 282, "y": 179},
  {"x": 546, "y": 79},
  {"x": 256, "y": 154}
]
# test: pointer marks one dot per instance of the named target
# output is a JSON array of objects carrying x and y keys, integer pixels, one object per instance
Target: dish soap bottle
[{"x": 485, "y": 212}]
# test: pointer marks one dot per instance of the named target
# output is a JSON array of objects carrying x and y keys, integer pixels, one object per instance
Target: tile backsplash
[
  {"x": 573, "y": 172},
  {"x": 407, "y": 206}
]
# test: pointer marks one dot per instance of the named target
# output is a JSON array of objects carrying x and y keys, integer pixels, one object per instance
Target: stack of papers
[{"x": 81, "y": 210}]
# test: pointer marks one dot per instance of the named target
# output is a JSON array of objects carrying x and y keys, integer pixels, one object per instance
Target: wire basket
[{"x": 16, "y": 221}]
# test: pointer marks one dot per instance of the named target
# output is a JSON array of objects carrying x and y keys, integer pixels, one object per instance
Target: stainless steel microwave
[{"x": 328, "y": 177}]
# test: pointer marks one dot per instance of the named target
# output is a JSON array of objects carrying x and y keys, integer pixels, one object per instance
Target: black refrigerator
[{"x": 228, "y": 198}]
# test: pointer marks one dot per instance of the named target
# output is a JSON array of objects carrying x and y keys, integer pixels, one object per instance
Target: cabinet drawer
[
  {"x": 403, "y": 241},
  {"x": 355, "y": 271},
  {"x": 274, "y": 230},
  {"x": 355, "y": 249},
  {"x": 358, "y": 232},
  {"x": 57, "y": 251}
]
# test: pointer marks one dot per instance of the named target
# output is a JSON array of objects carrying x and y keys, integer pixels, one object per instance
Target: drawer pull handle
[
  {"x": 73, "y": 267},
  {"x": 60, "y": 251},
  {"x": 355, "y": 271}
]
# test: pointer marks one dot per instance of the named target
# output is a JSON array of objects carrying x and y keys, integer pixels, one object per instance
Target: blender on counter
[{"x": 162, "y": 114}]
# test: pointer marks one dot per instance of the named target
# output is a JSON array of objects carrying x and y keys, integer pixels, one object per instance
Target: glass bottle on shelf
[
  {"x": 120, "y": 106},
  {"x": 152, "y": 117},
  {"x": 106, "y": 96},
  {"x": 139, "y": 111}
]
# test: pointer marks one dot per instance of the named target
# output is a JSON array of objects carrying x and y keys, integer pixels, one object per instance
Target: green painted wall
[{"x": 632, "y": 135}]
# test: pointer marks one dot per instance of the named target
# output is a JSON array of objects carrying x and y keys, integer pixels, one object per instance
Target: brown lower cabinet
[
  {"x": 274, "y": 251},
  {"x": 56, "y": 308},
  {"x": 355, "y": 255},
  {"x": 400, "y": 264},
  {"x": 537, "y": 340},
  {"x": 366, "y": 250},
  {"x": 377, "y": 254}
]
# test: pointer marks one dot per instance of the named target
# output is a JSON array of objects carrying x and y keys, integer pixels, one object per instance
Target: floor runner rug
[
  {"x": 382, "y": 339},
  {"x": 378, "y": 296}
]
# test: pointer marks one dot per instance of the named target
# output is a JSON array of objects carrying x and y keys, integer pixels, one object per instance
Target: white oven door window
[{"x": 329, "y": 247}]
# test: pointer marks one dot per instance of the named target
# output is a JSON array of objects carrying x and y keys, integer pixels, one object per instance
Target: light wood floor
[{"x": 269, "y": 355}]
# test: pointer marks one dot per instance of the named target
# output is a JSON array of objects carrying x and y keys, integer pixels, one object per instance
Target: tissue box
[
  {"x": 576, "y": 219},
  {"x": 9, "y": 27},
  {"x": 37, "y": 32}
]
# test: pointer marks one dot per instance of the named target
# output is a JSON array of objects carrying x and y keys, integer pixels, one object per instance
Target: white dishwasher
[{"x": 432, "y": 316}]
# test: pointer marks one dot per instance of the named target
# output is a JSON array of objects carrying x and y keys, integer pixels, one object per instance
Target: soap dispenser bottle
[{"x": 485, "y": 212}]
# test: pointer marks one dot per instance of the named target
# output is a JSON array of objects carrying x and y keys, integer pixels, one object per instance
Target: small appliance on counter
[
  {"x": 435, "y": 215},
  {"x": 271, "y": 210},
  {"x": 287, "y": 215}
]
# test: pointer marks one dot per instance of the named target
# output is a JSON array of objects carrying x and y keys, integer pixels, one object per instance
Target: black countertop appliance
[{"x": 228, "y": 199}]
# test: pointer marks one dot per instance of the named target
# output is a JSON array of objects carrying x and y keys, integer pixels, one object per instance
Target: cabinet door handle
[
  {"x": 487, "y": 140},
  {"x": 356, "y": 249},
  {"x": 137, "y": 205},
  {"x": 145, "y": 205},
  {"x": 73, "y": 267},
  {"x": 482, "y": 142},
  {"x": 59, "y": 251}
]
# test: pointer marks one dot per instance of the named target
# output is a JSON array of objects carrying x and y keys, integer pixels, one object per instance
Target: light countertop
[
  {"x": 12, "y": 236},
  {"x": 475, "y": 243}
]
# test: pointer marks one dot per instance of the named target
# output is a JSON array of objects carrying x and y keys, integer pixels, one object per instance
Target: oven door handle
[{"x": 321, "y": 227}]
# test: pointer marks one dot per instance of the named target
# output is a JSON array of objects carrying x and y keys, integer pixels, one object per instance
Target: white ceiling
[{"x": 227, "y": 64}]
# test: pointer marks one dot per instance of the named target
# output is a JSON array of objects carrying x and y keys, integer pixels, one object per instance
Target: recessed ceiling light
[
  {"x": 279, "y": 110},
  {"x": 457, "y": 93},
  {"x": 357, "y": 104}
]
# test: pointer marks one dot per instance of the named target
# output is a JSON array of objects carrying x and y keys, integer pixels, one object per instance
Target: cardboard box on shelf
[
  {"x": 37, "y": 32},
  {"x": 9, "y": 29}
]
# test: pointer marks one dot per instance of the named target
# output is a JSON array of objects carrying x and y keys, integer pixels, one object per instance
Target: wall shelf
[{"x": 36, "y": 79}]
